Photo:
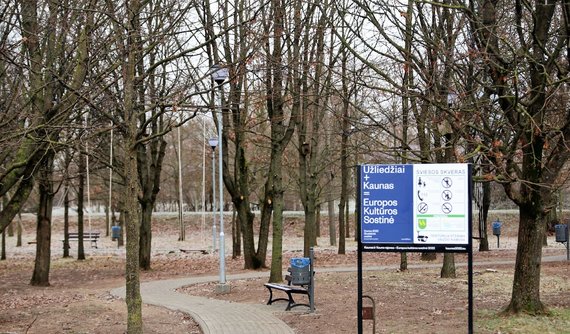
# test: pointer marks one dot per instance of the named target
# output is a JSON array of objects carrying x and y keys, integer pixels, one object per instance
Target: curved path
[
  {"x": 213, "y": 316},
  {"x": 222, "y": 317}
]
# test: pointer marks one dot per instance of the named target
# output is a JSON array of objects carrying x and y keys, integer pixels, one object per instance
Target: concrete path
[
  {"x": 213, "y": 316},
  {"x": 222, "y": 317}
]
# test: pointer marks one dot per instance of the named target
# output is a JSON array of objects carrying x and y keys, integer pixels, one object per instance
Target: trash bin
[
  {"x": 115, "y": 232},
  {"x": 561, "y": 231},
  {"x": 497, "y": 227},
  {"x": 300, "y": 271}
]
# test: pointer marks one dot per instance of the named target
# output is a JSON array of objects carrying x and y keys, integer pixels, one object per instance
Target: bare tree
[
  {"x": 49, "y": 102},
  {"x": 525, "y": 78}
]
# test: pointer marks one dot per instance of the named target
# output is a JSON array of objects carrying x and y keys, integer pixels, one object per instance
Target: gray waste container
[
  {"x": 300, "y": 271},
  {"x": 115, "y": 232},
  {"x": 497, "y": 227},
  {"x": 561, "y": 231}
]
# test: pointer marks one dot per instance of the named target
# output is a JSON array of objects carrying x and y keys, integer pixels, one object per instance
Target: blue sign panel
[{"x": 386, "y": 204}]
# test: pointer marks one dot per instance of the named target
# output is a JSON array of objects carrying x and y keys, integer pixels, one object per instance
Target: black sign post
[{"x": 415, "y": 208}]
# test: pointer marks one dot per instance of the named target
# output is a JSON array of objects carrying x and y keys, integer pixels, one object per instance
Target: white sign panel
[{"x": 441, "y": 203}]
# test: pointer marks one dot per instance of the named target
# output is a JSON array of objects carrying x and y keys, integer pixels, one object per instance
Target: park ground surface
[{"x": 415, "y": 301}]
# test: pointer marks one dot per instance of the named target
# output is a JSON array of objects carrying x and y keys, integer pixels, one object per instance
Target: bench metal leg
[
  {"x": 290, "y": 300},
  {"x": 291, "y": 303},
  {"x": 271, "y": 300}
]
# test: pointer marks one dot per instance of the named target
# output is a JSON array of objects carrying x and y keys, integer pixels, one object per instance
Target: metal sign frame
[{"x": 415, "y": 208}]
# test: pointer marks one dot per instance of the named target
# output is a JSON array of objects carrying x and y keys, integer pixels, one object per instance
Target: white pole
[
  {"x": 219, "y": 75},
  {"x": 222, "y": 240},
  {"x": 213, "y": 199},
  {"x": 203, "y": 178},
  {"x": 88, "y": 186},
  {"x": 111, "y": 179},
  {"x": 182, "y": 236}
]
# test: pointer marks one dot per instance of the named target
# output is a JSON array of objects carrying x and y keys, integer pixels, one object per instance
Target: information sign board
[
  {"x": 416, "y": 208},
  {"x": 422, "y": 207}
]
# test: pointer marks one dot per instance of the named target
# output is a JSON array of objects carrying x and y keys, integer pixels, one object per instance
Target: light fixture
[
  {"x": 213, "y": 143},
  {"x": 219, "y": 74}
]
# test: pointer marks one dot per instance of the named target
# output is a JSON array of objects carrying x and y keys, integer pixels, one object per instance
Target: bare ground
[{"x": 78, "y": 300}]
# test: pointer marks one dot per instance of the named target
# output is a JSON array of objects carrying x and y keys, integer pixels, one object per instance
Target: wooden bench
[
  {"x": 203, "y": 251},
  {"x": 93, "y": 237},
  {"x": 299, "y": 281}
]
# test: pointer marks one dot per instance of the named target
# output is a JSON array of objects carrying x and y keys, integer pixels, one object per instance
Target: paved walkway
[
  {"x": 222, "y": 317},
  {"x": 213, "y": 316}
]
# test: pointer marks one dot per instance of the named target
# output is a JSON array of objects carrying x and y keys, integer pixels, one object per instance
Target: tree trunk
[
  {"x": 344, "y": 169},
  {"x": 484, "y": 242},
  {"x": 526, "y": 284},
  {"x": 131, "y": 171},
  {"x": 19, "y": 231},
  {"x": 341, "y": 221},
  {"x": 40, "y": 276},
  {"x": 318, "y": 223},
  {"x": 403, "y": 261},
  {"x": 332, "y": 221},
  {"x": 80, "y": 208},
  {"x": 276, "y": 274},
  {"x": 107, "y": 219},
  {"x": 310, "y": 231},
  {"x": 266, "y": 212},
  {"x": 278, "y": 205},
  {"x": 3, "y": 252},
  {"x": 245, "y": 219},
  {"x": 448, "y": 268},
  {"x": 236, "y": 236},
  {"x": 132, "y": 222},
  {"x": 122, "y": 224},
  {"x": 66, "y": 222},
  {"x": 145, "y": 236},
  {"x": 3, "y": 255},
  {"x": 347, "y": 221}
]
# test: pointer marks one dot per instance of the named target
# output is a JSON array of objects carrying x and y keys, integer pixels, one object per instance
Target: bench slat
[{"x": 282, "y": 287}]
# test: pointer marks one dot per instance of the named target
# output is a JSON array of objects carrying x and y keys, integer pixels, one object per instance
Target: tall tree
[
  {"x": 526, "y": 78},
  {"x": 151, "y": 152},
  {"x": 281, "y": 130},
  {"x": 50, "y": 101},
  {"x": 236, "y": 54},
  {"x": 315, "y": 93},
  {"x": 130, "y": 173},
  {"x": 344, "y": 169}
]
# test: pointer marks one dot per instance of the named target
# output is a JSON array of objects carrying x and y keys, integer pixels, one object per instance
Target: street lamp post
[
  {"x": 220, "y": 75},
  {"x": 213, "y": 143}
]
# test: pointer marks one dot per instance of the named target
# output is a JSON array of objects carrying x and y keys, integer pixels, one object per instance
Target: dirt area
[
  {"x": 78, "y": 300},
  {"x": 415, "y": 301}
]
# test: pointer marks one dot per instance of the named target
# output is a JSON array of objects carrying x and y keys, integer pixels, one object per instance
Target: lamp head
[
  {"x": 213, "y": 143},
  {"x": 219, "y": 74}
]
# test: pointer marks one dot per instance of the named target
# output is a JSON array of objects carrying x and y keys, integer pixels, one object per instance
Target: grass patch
[{"x": 491, "y": 322}]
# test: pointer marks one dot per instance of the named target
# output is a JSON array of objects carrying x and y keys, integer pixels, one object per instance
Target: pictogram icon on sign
[{"x": 422, "y": 207}]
